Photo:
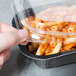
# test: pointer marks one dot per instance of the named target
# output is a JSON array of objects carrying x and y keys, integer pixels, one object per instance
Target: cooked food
[{"x": 54, "y": 19}]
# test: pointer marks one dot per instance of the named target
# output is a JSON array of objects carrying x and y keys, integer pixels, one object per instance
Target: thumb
[{"x": 12, "y": 38}]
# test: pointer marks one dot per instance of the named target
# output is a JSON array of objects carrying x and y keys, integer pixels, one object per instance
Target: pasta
[
  {"x": 41, "y": 49},
  {"x": 53, "y": 19},
  {"x": 56, "y": 49},
  {"x": 70, "y": 40}
]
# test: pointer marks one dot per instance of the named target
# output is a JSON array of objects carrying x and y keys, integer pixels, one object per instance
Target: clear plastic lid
[{"x": 47, "y": 20}]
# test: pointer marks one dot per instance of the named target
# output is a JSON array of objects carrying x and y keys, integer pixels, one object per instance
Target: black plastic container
[
  {"x": 46, "y": 61},
  {"x": 26, "y": 8}
]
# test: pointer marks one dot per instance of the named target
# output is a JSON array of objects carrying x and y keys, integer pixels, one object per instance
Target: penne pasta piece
[
  {"x": 70, "y": 29},
  {"x": 39, "y": 26},
  {"x": 48, "y": 50},
  {"x": 42, "y": 49},
  {"x": 68, "y": 47},
  {"x": 52, "y": 23},
  {"x": 57, "y": 48},
  {"x": 54, "y": 28},
  {"x": 53, "y": 41},
  {"x": 70, "y": 40},
  {"x": 39, "y": 51}
]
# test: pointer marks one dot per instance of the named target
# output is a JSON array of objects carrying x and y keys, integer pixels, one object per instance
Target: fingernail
[{"x": 23, "y": 35}]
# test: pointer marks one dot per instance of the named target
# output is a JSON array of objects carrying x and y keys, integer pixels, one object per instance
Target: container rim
[{"x": 48, "y": 57}]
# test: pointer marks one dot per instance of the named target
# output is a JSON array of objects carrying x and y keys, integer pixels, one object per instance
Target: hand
[{"x": 10, "y": 37}]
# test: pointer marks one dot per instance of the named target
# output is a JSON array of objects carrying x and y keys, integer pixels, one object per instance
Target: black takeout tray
[{"x": 46, "y": 61}]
